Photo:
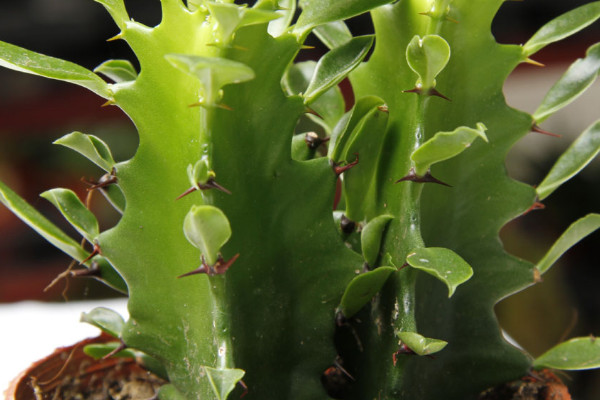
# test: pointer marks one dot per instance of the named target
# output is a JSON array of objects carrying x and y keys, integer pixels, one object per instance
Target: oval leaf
[
  {"x": 580, "y": 75},
  {"x": 213, "y": 72},
  {"x": 333, "y": 34},
  {"x": 583, "y": 150},
  {"x": 286, "y": 11},
  {"x": 575, "y": 354},
  {"x": 89, "y": 146},
  {"x": 223, "y": 380},
  {"x": 334, "y": 66},
  {"x": 362, "y": 288},
  {"x": 75, "y": 212},
  {"x": 207, "y": 228},
  {"x": 318, "y": 12},
  {"x": 40, "y": 224},
  {"x": 100, "y": 350},
  {"x": 443, "y": 264},
  {"x": 117, "y": 70},
  {"x": 371, "y": 237},
  {"x": 20, "y": 59},
  {"x": 107, "y": 320},
  {"x": 562, "y": 27},
  {"x": 427, "y": 57},
  {"x": 445, "y": 145},
  {"x": 574, "y": 233},
  {"x": 420, "y": 344},
  {"x": 230, "y": 17}
]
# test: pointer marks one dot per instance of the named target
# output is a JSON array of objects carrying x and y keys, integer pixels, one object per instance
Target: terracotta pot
[{"x": 68, "y": 372}]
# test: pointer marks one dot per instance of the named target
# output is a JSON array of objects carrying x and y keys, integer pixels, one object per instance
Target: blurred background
[{"x": 35, "y": 111}]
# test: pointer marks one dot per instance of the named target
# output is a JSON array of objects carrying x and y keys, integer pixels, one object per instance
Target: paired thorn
[
  {"x": 427, "y": 178},
  {"x": 244, "y": 387},
  {"x": 313, "y": 141},
  {"x": 339, "y": 169},
  {"x": 219, "y": 268},
  {"x": 537, "y": 129},
  {"x": 428, "y": 92},
  {"x": 535, "y": 206},
  {"x": 94, "y": 253},
  {"x": 105, "y": 180},
  {"x": 210, "y": 184}
]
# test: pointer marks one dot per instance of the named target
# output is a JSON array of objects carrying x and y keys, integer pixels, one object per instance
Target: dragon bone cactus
[{"x": 240, "y": 278}]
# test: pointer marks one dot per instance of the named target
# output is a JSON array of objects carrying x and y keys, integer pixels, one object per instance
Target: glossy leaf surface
[
  {"x": 583, "y": 150},
  {"x": 107, "y": 320},
  {"x": 420, "y": 344},
  {"x": 19, "y": 59},
  {"x": 207, "y": 228},
  {"x": 370, "y": 237},
  {"x": 574, "y": 233},
  {"x": 362, "y": 289},
  {"x": 117, "y": 70},
  {"x": 563, "y": 26},
  {"x": 427, "y": 57},
  {"x": 445, "y": 145},
  {"x": 334, "y": 66},
  {"x": 318, "y": 12},
  {"x": 286, "y": 10},
  {"x": 333, "y": 34},
  {"x": 75, "y": 212},
  {"x": 580, "y": 76},
  {"x": 444, "y": 264},
  {"x": 89, "y": 146},
  {"x": 575, "y": 354}
]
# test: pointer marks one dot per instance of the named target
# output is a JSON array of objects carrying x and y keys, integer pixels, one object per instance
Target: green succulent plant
[{"x": 311, "y": 264}]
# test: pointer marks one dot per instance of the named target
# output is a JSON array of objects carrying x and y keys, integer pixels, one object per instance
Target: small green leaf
[
  {"x": 75, "y": 212},
  {"x": 318, "y": 12},
  {"x": 231, "y": 17},
  {"x": 117, "y": 70},
  {"x": 580, "y": 76},
  {"x": 100, "y": 350},
  {"x": 575, "y": 354},
  {"x": 330, "y": 105},
  {"x": 199, "y": 173},
  {"x": 574, "y": 233},
  {"x": 444, "y": 264},
  {"x": 20, "y": 59},
  {"x": 223, "y": 380},
  {"x": 107, "y": 320},
  {"x": 562, "y": 27},
  {"x": 371, "y": 237},
  {"x": 420, "y": 344},
  {"x": 40, "y": 224},
  {"x": 89, "y": 146},
  {"x": 333, "y": 34},
  {"x": 362, "y": 288},
  {"x": 343, "y": 131},
  {"x": 213, "y": 73},
  {"x": 334, "y": 66},
  {"x": 583, "y": 150},
  {"x": 445, "y": 145},
  {"x": 115, "y": 196},
  {"x": 207, "y": 228},
  {"x": 117, "y": 10},
  {"x": 287, "y": 9},
  {"x": 427, "y": 57}
]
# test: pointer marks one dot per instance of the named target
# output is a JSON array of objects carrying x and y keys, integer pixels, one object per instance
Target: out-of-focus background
[{"x": 35, "y": 111}]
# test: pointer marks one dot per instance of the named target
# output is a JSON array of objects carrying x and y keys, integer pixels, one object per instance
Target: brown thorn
[
  {"x": 535, "y": 206},
  {"x": 428, "y": 92},
  {"x": 118, "y": 349},
  {"x": 212, "y": 184},
  {"x": 222, "y": 266},
  {"x": 244, "y": 388},
  {"x": 190, "y": 190},
  {"x": 94, "y": 252},
  {"x": 427, "y": 178},
  {"x": 415, "y": 90},
  {"x": 537, "y": 129},
  {"x": 384, "y": 108},
  {"x": 92, "y": 271},
  {"x": 202, "y": 269},
  {"x": 341, "y": 169}
]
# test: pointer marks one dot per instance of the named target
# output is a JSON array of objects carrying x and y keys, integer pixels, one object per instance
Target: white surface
[{"x": 32, "y": 330}]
